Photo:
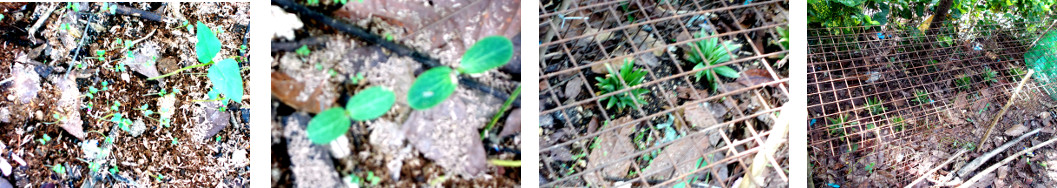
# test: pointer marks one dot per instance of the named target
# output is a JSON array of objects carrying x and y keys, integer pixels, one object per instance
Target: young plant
[
  {"x": 874, "y": 105},
  {"x": 334, "y": 122},
  {"x": 898, "y": 124},
  {"x": 836, "y": 125},
  {"x": 921, "y": 97},
  {"x": 869, "y": 168},
  {"x": 611, "y": 83},
  {"x": 225, "y": 75},
  {"x": 963, "y": 81},
  {"x": 711, "y": 53},
  {"x": 1016, "y": 72},
  {"x": 437, "y": 84},
  {"x": 990, "y": 75}
]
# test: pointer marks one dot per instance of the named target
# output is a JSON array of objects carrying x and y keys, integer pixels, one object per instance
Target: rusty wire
[
  {"x": 849, "y": 65},
  {"x": 561, "y": 60}
]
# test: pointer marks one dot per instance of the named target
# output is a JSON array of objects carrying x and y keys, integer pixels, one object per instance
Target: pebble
[
  {"x": 39, "y": 115},
  {"x": 339, "y": 148},
  {"x": 1016, "y": 130},
  {"x": 125, "y": 76},
  {"x": 1044, "y": 115}
]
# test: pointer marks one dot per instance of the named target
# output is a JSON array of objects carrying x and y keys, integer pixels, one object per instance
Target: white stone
[{"x": 5, "y": 167}]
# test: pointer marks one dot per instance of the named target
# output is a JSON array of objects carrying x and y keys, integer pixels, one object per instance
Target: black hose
[{"x": 308, "y": 14}]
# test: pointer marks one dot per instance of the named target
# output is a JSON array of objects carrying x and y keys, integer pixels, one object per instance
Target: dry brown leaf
[
  {"x": 688, "y": 93},
  {"x": 612, "y": 146},
  {"x": 754, "y": 77},
  {"x": 700, "y": 115},
  {"x": 960, "y": 101},
  {"x": 289, "y": 90},
  {"x": 573, "y": 87},
  {"x": 680, "y": 157}
]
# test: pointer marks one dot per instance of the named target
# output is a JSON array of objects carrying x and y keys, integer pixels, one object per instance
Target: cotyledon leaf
[
  {"x": 370, "y": 103},
  {"x": 328, "y": 125},
  {"x": 487, "y": 54},
  {"x": 208, "y": 45},
  {"x": 431, "y": 88},
  {"x": 226, "y": 80}
]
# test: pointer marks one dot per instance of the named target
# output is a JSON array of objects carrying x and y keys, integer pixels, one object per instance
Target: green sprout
[
  {"x": 225, "y": 74},
  {"x": 356, "y": 79},
  {"x": 341, "y": 2},
  {"x": 1017, "y": 72},
  {"x": 373, "y": 179},
  {"x": 631, "y": 77},
  {"x": 921, "y": 97},
  {"x": 990, "y": 75},
  {"x": 869, "y": 168},
  {"x": 963, "y": 81},
  {"x": 874, "y": 105},
  {"x": 114, "y": 170},
  {"x": 334, "y": 122},
  {"x": 898, "y": 124},
  {"x": 712, "y": 53},
  {"x": 783, "y": 40},
  {"x": 58, "y": 168},
  {"x": 436, "y": 84},
  {"x": 313, "y": 2},
  {"x": 303, "y": 51},
  {"x": 44, "y": 139}
]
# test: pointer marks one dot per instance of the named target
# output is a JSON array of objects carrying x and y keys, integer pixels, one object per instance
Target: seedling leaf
[
  {"x": 226, "y": 79},
  {"x": 328, "y": 125},
  {"x": 370, "y": 103},
  {"x": 726, "y": 71},
  {"x": 487, "y": 54},
  {"x": 208, "y": 45},
  {"x": 431, "y": 88}
]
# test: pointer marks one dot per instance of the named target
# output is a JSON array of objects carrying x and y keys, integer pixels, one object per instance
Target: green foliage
[
  {"x": 356, "y": 79},
  {"x": 58, "y": 168},
  {"x": 921, "y": 97},
  {"x": 303, "y": 51},
  {"x": 711, "y": 53},
  {"x": 845, "y": 13},
  {"x": 227, "y": 80},
  {"x": 208, "y": 45},
  {"x": 1041, "y": 58},
  {"x": 898, "y": 124},
  {"x": 487, "y": 54},
  {"x": 875, "y": 106},
  {"x": 437, "y": 84},
  {"x": 431, "y": 88},
  {"x": 962, "y": 82},
  {"x": 836, "y": 125},
  {"x": 783, "y": 34},
  {"x": 366, "y": 105},
  {"x": 373, "y": 179},
  {"x": 611, "y": 83},
  {"x": 313, "y": 2},
  {"x": 869, "y": 168},
  {"x": 990, "y": 75}
]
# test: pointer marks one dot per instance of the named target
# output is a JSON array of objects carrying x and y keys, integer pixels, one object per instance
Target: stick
[
  {"x": 971, "y": 166},
  {"x": 1004, "y": 108},
  {"x": 40, "y": 21},
  {"x": 1003, "y": 162},
  {"x": 753, "y": 177},
  {"x": 934, "y": 169}
]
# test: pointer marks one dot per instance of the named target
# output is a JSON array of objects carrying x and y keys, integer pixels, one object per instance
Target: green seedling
[
  {"x": 963, "y": 81},
  {"x": 437, "y": 84},
  {"x": 921, "y": 97},
  {"x": 990, "y": 75},
  {"x": 711, "y": 53},
  {"x": 44, "y": 139},
  {"x": 114, "y": 170},
  {"x": 356, "y": 79},
  {"x": 631, "y": 77},
  {"x": 898, "y": 124},
  {"x": 783, "y": 34},
  {"x": 65, "y": 26},
  {"x": 836, "y": 125},
  {"x": 1017, "y": 72},
  {"x": 373, "y": 179},
  {"x": 59, "y": 169},
  {"x": 874, "y": 105},
  {"x": 75, "y": 6},
  {"x": 341, "y": 2},
  {"x": 1, "y": 17},
  {"x": 303, "y": 51},
  {"x": 334, "y": 122},
  {"x": 225, "y": 75},
  {"x": 100, "y": 54},
  {"x": 869, "y": 168},
  {"x": 313, "y": 2}
]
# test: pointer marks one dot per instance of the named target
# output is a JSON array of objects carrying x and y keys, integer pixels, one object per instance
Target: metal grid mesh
[
  {"x": 849, "y": 66},
  {"x": 577, "y": 36}
]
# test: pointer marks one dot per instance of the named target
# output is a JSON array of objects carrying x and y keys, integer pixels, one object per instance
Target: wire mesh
[
  {"x": 659, "y": 141},
  {"x": 887, "y": 104}
]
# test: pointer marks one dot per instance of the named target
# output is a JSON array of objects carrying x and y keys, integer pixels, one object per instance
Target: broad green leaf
[
  {"x": 226, "y": 79},
  {"x": 208, "y": 45},
  {"x": 726, "y": 71},
  {"x": 370, "y": 103},
  {"x": 487, "y": 54},
  {"x": 328, "y": 125},
  {"x": 431, "y": 88}
]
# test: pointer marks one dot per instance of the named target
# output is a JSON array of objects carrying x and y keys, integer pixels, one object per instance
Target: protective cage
[
  {"x": 682, "y": 132},
  {"x": 886, "y": 105}
]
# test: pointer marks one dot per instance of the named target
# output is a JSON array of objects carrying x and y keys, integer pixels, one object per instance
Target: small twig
[
  {"x": 971, "y": 166},
  {"x": 1004, "y": 108},
  {"x": 40, "y": 21},
  {"x": 934, "y": 169},
  {"x": 505, "y": 163},
  {"x": 128, "y": 11},
  {"x": 80, "y": 44},
  {"x": 1003, "y": 162},
  {"x": 759, "y": 162}
]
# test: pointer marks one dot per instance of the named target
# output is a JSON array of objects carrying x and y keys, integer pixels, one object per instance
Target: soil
[
  {"x": 888, "y": 152},
  {"x": 568, "y": 126},
  {"x": 178, "y": 155},
  {"x": 389, "y": 147}
]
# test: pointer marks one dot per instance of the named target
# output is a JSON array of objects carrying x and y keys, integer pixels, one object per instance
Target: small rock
[
  {"x": 5, "y": 115},
  {"x": 1016, "y": 130},
  {"x": 513, "y": 123},
  {"x": 339, "y": 148},
  {"x": 239, "y": 158},
  {"x": 137, "y": 128},
  {"x": 125, "y": 76},
  {"x": 39, "y": 115},
  {"x": 1044, "y": 115}
]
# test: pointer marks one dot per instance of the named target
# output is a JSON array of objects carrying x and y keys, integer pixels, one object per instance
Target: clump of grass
[
  {"x": 874, "y": 105},
  {"x": 898, "y": 124},
  {"x": 990, "y": 75},
  {"x": 963, "y": 81},
  {"x": 921, "y": 97}
]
